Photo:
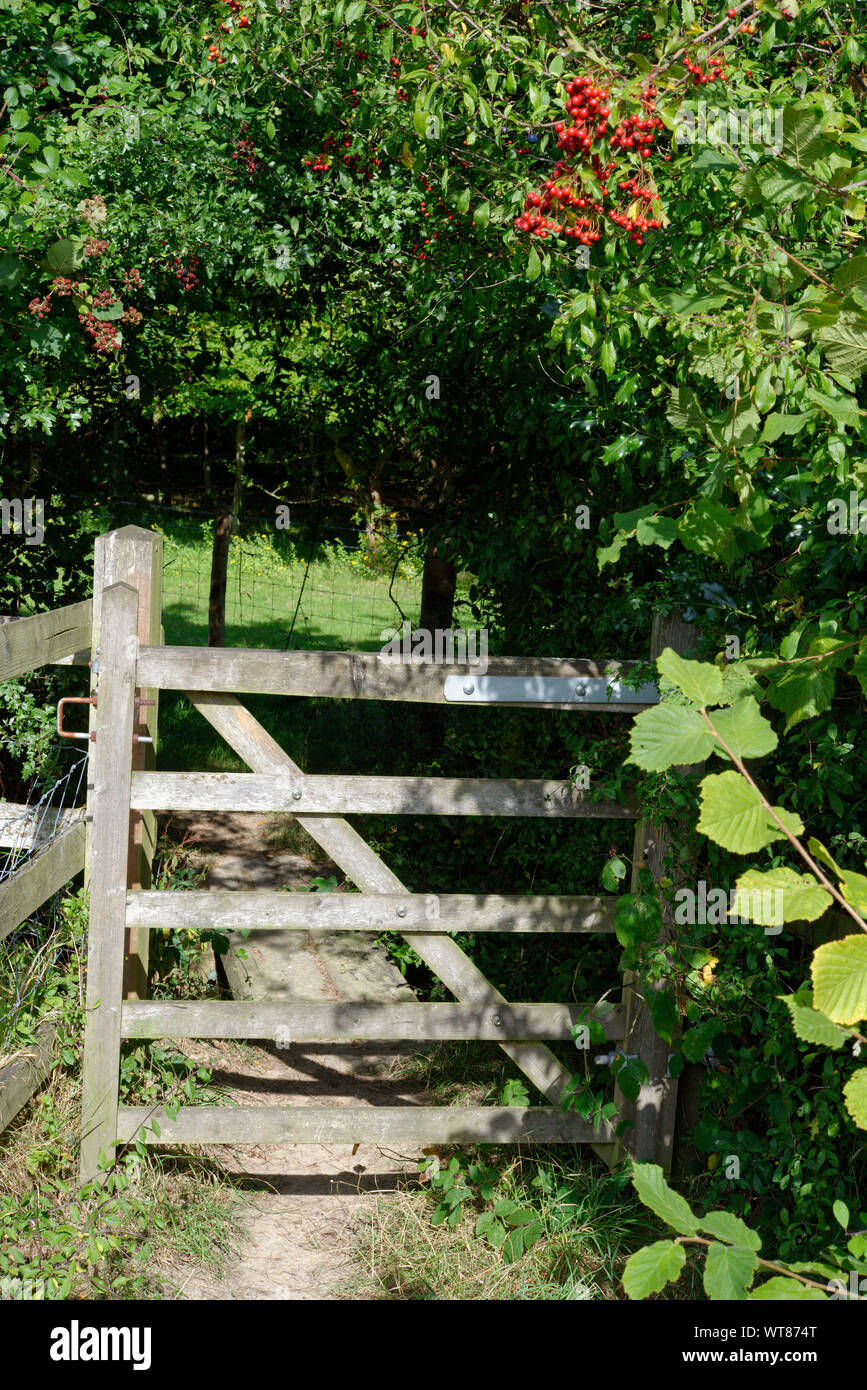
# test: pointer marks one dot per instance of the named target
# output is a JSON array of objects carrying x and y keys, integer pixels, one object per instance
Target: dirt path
[{"x": 300, "y": 1229}]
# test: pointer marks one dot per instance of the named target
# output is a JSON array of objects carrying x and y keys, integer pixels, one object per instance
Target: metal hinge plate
[{"x": 566, "y": 690}]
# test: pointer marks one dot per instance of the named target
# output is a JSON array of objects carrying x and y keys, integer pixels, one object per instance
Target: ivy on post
[{"x": 653, "y": 1112}]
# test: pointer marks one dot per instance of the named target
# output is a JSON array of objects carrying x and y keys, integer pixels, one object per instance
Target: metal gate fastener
[{"x": 74, "y": 700}]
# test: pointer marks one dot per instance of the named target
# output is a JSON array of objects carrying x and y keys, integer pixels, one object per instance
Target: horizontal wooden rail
[
  {"x": 22, "y": 1074},
  {"x": 394, "y": 1126},
  {"x": 42, "y": 875},
  {"x": 329, "y": 796},
  {"x": 29, "y": 827},
  {"x": 370, "y": 912},
  {"x": 306, "y": 1021},
  {"x": 29, "y": 643},
  {"x": 353, "y": 675}
]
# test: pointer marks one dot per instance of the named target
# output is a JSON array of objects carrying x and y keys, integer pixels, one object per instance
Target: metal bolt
[
  {"x": 401, "y": 912},
  {"x": 296, "y": 796},
  {"x": 497, "y": 1021},
  {"x": 469, "y": 688},
  {"x": 581, "y": 690}
]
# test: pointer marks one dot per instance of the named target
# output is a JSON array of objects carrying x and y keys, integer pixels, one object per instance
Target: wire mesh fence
[
  {"x": 31, "y": 954},
  {"x": 308, "y": 584}
]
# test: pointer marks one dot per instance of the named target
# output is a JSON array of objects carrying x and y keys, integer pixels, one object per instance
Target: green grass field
[{"x": 345, "y": 602}]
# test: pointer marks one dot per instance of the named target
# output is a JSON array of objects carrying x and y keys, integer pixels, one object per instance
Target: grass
[
  {"x": 343, "y": 598},
  {"x": 587, "y": 1226},
  {"x": 120, "y": 1238}
]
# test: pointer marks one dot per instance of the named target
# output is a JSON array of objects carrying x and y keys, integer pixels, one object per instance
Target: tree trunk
[
  {"x": 164, "y": 490},
  {"x": 240, "y": 455},
  {"x": 219, "y": 570},
  {"x": 206, "y": 461},
  {"x": 439, "y": 581}
]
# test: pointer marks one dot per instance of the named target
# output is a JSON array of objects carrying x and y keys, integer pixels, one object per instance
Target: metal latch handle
[{"x": 74, "y": 700}]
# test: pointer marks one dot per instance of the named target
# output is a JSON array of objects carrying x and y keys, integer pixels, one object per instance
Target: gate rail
[{"x": 210, "y": 678}]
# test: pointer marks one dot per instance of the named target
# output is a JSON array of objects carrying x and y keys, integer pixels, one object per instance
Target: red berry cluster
[
  {"x": 245, "y": 150},
  {"x": 132, "y": 279},
  {"x": 426, "y": 211},
  {"x": 63, "y": 287},
  {"x": 95, "y": 246},
  {"x": 715, "y": 73},
  {"x": 355, "y": 163},
  {"x": 40, "y": 307},
  {"x": 131, "y": 315},
  {"x": 578, "y": 210},
  {"x": 102, "y": 332},
  {"x": 103, "y": 299},
  {"x": 187, "y": 277},
  {"x": 214, "y": 54}
]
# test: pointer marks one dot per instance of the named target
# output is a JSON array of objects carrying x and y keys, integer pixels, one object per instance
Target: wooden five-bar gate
[{"x": 123, "y": 792}]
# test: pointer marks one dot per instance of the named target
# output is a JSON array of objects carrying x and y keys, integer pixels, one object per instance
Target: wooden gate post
[
  {"x": 133, "y": 556},
  {"x": 653, "y": 1114},
  {"x": 110, "y": 776}
]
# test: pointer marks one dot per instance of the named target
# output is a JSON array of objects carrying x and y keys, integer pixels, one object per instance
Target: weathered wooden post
[
  {"x": 110, "y": 778},
  {"x": 654, "y": 1112},
  {"x": 133, "y": 556}
]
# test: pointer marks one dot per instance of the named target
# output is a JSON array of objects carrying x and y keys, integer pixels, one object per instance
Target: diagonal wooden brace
[{"x": 360, "y": 863}]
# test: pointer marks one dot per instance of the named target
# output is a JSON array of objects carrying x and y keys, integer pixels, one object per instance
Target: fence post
[
  {"x": 111, "y": 770},
  {"x": 134, "y": 556},
  {"x": 652, "y": 1139}
]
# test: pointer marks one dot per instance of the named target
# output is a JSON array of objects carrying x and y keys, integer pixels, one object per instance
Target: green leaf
[
  {"x": 839, "y": 971},
  {"x": 802, "y": 691},
  {"x": 859, "y": 667},
  {"x": 812, "y": 1026},
  {"x": 779, "y": 183},
  {"x": 851, "y": 273},
  {"x": 613, "y": 872},
  {"x": 732, "y": 815},
  {"x": 11, "y": 271},
  {"x": 744, "y": 729},
  {"x": 657, "y": 530},
  {"x": 706, "y": 527},
  {"x": 855, "y": 1095},
  {"x": 463, "y": 201},
  {"x": 818, "y": 851},
  {"x": 534, "y": 265},
  {"x": 684, "y": 411},
  {"x": 802, "y": 136},
  {"x": 843, "y": 409},
  {"x": 482, "y": 217},
  {"x": 663, "y": 1012},
  {"x": 728, "y": 1227},
  {"x": 776, "y": 425},
  {"x": 781, "y": 1290},
  {"x": 698, "y": 680},
  {"x": 779, "y": 895},
  {"x": 841, "y": 1214},
  {"x": 65, "y": 255},
  {"x": 609, "y": 554},
  {"x": 354, "y": 11},
  {"x": 854, "y": 889},
  {"x": 845, "y": 345},
  {"x": 652, "y": 1267},
  {"x": 728, "y": 1271},
  {"x": 668, "y": 736},
  {"x": 608, "y": 357},
  {"x": 649, "y": 1182}
]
